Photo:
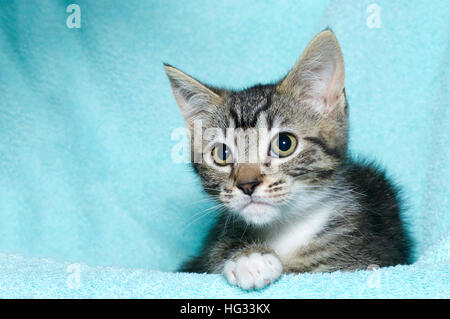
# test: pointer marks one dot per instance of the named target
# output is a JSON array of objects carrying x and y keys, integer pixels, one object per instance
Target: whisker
[{"x": 215, "y": 209}]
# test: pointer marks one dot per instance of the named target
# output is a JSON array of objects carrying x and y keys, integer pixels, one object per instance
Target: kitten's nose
[
  {"x": 248, "y": 187},
  {"x": 248, "y": 177}
]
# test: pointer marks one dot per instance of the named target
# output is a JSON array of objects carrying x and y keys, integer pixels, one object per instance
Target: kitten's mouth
[{"x": 256, "y": 203}]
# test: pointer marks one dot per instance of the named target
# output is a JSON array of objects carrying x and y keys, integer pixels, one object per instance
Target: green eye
[
  {"x": 222, "y": 155},
  {"x": 283, "y": 145}
]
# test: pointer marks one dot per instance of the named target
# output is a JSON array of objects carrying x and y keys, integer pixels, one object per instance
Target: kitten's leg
[{"x": 252, "y": 267}]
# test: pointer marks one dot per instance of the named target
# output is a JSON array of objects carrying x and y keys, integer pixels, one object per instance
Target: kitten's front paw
[{"x": 253, "y": 271}]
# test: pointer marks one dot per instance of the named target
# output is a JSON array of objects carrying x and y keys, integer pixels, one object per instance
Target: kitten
[{"x": 303, "y": 205}]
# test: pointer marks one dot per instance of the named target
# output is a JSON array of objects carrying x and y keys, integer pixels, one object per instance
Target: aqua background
[{"x": 86, "y": 115}]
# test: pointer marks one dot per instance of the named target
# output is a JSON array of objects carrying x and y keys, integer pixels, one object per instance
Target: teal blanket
[{"x": 92, "y": 203}]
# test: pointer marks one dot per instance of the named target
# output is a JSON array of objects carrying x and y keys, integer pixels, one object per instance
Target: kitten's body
[{"x": 302, "y": 205}]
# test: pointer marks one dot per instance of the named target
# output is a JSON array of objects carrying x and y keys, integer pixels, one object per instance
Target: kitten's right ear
[
  {"x": 319, "y": 75},
  {"x": 195, "y": 99}
]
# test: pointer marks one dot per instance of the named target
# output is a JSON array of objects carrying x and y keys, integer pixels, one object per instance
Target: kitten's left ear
[
  {"x": 318, "y": 76},
  {"x": 194, "y": 99}
]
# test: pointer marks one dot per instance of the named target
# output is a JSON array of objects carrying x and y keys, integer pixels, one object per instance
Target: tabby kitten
[{"x": 293, "y": 201}]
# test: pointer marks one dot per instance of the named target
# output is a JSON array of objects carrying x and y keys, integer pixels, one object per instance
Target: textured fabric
[
  {"x": 43, "y": 278},
  {"x": 86, "y": 136}
]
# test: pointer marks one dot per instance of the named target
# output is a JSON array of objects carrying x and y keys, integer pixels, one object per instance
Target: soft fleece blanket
[{"x": 92, "y": 203}]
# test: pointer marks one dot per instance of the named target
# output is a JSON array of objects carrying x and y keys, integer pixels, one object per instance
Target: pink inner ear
[{"x": 334, "y": 84}]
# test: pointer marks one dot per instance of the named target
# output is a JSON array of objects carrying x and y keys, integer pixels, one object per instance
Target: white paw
[{"x": 253, "y": 271}]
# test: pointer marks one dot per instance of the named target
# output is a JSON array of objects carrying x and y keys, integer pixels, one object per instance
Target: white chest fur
[{"x": 293, "y": 236}]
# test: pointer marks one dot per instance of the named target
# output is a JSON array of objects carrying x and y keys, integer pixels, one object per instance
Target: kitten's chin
[{"x": 259, "y": 214}]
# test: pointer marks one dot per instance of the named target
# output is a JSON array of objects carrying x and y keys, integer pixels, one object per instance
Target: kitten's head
[{"x": 258, "y": 149}]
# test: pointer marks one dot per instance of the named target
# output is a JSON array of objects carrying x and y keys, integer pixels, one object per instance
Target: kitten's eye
[
  {"x": 283, "y": 145},
  {"x": 222, "y": 155}
]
